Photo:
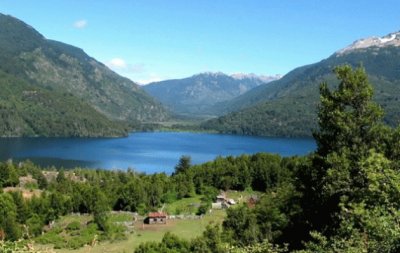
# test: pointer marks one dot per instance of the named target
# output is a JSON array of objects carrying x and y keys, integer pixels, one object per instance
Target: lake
[{"x": 147, "y": 152}]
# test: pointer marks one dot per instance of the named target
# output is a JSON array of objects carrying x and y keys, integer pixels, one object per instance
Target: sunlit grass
[{"x": 144, "y": 233}]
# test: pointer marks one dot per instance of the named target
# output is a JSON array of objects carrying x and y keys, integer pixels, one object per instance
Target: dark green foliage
[
  {"x": 347, "y": 116},
  {"x": 100, "y": 210},
  {"x": 131, "y": 196},
  {"x": 183, "y": 165},
  {"x": 184, "y": 186},
  {"x": 21, "y": 205},
  {"x": 347, "y": 119},
  {"x": 203, "y": 208},
  {"x": 156, "y": 189},
  {"x": 8, "y": 217},
  {"x": 35, "y": 225},
  {"x": 75, "y": 225},
  {"x": 351, "y": 185},
  {"x": 209, "y": 193},
  {"x": 241, "y": 226},
  {"x": 283, "y": 117},
  {"x": 260, "y": 172},
  {"x": 287, "y": 107},
  {"x": 26, "y": 110},
  {"x": 8, "y": 175},
  {"x": 209, "y": 242}
]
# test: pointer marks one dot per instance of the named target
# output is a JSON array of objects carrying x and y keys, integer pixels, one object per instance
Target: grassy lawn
[
  {"x": 144, "y": 233},
  {"x": 121, "y": 217},
  {"x": 184, "y": 206}
]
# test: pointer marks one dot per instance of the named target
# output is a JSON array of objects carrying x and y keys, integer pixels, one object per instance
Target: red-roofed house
[{"x": 157, "y": 218}]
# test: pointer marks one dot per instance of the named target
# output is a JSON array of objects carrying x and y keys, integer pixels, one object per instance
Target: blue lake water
[{"x": 147, "y": 152}]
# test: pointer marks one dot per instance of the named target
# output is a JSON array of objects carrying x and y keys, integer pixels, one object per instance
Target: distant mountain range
[
  {"x": 200, "y": 94},
  {"x": 287, "y": 107},
  {"x": 49, "y": 88},
  {"x": 67, "y": 88}
]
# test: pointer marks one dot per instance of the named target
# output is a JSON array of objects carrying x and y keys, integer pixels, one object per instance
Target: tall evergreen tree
[
  {"x": 348, "y": 125},
  {"x": 183, "y": 165},
  {"x": 347, "y": 116}
]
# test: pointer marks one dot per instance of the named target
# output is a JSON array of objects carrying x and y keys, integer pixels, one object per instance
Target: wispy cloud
[
  {"x": 117, "y": 63},
  {"x": 135, "y": 71},
  {"x": 80, "y": 24}
]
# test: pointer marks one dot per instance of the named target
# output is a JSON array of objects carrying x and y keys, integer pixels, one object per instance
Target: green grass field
[
  {"x": 140, "y": 233},
  {"x": 184, "y": 206},
  {"x": 144, "y": 233}
]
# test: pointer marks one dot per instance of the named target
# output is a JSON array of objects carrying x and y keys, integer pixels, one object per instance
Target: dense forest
[
  {"x": 26, "y": 110},
  {"x": 287, "y": 107},
  {"x": 344, "y": 197}
]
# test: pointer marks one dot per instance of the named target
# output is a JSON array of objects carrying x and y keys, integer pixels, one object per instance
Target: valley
[{"x": 141, "y": 127}]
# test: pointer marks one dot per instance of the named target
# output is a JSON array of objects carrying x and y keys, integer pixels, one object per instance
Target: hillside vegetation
[
  {"x": 56, "y": 68},
  {"x": 26, "y": 110},
  {"x": 197, "y": 95},
  {"x": 288, "y": 107}
]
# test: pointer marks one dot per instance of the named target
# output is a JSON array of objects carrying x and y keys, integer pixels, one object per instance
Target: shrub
[{"x": 75, "y": 225}]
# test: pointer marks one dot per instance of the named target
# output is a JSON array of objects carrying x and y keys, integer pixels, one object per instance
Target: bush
[
  {"x": 35, "y": 225},
  {"x": 75, "y": 225},
  {"x": 203, "y": 208},
  {"x": 116, "y": 233},
  {"x": 51, "y": 237}
]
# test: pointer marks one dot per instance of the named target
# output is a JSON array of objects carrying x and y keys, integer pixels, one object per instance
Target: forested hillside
[
  {"x": 288, "y": 107},
  {"x": 58, "y": 68},
  {"x": 199, "y": 94},
  {"x": 26, "y": 110}
]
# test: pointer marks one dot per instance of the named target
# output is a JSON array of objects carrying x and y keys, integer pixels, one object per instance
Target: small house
[
  {"x": 157, "y": 218},
  {"x": 222, "y": 202}
]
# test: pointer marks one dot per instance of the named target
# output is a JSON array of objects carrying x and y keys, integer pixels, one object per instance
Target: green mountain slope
[
  {"x": 56, "y": 66},
  {"x": 26, "y": 110},
  {"x": 287, "y": 107},
  {"x": 198, "y": 94}
]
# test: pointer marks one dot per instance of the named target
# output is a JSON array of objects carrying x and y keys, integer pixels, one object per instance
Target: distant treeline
[{"x": 84, "y": 190}]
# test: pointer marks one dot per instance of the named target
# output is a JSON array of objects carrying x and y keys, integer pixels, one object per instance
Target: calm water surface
[{"x": 147, "y": 152}]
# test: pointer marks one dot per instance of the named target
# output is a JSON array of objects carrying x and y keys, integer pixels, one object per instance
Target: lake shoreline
[{"x": 146, "y": 151}]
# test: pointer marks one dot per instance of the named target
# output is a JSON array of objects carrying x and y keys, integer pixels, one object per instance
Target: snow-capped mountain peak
[
  {"x": 264, "y": 78},
  {"x": 392, "y": 39}
]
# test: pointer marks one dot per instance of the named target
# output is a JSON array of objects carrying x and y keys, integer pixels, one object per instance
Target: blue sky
[{"x": 148, "y": 40}]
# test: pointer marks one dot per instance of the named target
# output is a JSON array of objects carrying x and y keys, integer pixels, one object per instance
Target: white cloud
[
  {"x": 80, "y": 24},
  {"x": 137, "y": 72},
  {"x": 117, "y": 63}
]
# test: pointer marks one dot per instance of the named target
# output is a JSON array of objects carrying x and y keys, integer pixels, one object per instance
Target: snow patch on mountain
[
  {"x": 263, "y": 78},
  {"x": 392, "y": 39}
]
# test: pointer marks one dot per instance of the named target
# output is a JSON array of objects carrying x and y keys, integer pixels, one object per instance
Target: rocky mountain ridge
[
  {"x": 392, "y": 39},
  {"x": 196, "y": 95},
  {"x": 58, "y": 68},
  {"x": 287, "y": 107}
]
